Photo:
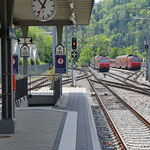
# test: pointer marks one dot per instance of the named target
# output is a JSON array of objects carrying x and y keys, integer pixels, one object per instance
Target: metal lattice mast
[{"x": 122, "y": 20}]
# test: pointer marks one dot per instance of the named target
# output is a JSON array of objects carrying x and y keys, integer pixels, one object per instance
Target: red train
[
  {"x": 132, "y": 62},
  {"x": 101, "y": 63}
]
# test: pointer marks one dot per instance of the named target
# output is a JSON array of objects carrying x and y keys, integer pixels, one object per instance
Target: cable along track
[{"x": 133, "y": 129}]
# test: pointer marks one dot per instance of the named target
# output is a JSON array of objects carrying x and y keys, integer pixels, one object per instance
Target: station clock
[{"x": 43, "y": 10}]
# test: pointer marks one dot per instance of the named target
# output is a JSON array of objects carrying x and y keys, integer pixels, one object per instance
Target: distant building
[{"x": 48, "y": 33}]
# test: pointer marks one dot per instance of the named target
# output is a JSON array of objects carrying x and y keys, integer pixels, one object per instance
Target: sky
[{"x": 97, "y": 1}]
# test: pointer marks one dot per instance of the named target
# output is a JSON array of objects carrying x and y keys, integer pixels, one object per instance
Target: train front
[
  {"x": 136, "y": 63},
  {"x": 104, "y": 64}
]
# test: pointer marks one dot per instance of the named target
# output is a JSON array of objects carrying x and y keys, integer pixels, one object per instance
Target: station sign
[
  {"x": 25, "y": 51},
  {"x": 60, "y": 64},
  {"x": 59, "y": 50},
  {"x": 23, "y": 40},
  {"x": 15, "y": 64},
  {"x": 74, "y": 54}
]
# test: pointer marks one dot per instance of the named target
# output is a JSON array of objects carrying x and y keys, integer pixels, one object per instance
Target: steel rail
[
  {"x": 122, "y": 71},
  {"x": 140, "y": 88},
  {"x": 122, "y": 87},
  {"x": 138, "y": 115},
  {"x": 139, "y": 75},
  {"x": 119, "y": 139}
]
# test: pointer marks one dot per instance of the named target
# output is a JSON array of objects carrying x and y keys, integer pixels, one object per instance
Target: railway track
[
  {"x": 132, "y": 131},
  {"x": 143, "y": 88}
]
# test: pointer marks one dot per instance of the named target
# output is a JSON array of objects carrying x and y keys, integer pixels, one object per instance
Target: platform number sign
[
  {"x": 60, "y": 64},
  {"x": 25, "y": 51},
  {"x": 59, "y": 50},
  {"x": 15, "y": 64}
]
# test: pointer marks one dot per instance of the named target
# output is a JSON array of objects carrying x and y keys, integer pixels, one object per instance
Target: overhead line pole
[
  {"x": 54, "y": 45},
  {"x": 66, "y": 49}
]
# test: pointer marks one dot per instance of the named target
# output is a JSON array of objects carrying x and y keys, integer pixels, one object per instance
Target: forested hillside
[{"x": 118, "y": 28}]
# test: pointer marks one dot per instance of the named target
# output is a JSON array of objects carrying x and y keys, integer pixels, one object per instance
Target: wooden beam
[{"x": 38, "y": 23}]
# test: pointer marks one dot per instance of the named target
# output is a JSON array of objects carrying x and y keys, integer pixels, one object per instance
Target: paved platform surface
[{"x": 70, "y": 126}]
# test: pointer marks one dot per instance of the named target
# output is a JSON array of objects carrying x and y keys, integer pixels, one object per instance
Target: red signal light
[{"x": 74, "y": 43}]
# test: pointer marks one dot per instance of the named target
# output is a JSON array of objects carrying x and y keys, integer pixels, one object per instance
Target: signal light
[{"x": 74, "y": 43}]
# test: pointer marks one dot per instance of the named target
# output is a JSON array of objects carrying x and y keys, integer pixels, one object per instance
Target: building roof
[{"x": 69, "y": 12}]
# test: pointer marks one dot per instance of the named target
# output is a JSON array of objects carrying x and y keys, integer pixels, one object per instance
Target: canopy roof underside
[{"x": 82, "y": 10}]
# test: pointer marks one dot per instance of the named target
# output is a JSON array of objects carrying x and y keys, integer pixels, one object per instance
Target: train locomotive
[
  {"x": 132, "y": 62},
  {"x": 101, "y": 63}
]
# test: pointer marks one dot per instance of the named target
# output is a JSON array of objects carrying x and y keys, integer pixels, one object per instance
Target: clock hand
[
  {"x": 41, "y": 3},
  {"x": 44, "y": 4}
]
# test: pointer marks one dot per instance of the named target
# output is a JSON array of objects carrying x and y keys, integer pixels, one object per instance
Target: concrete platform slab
[{"x": 70, "y": 126}]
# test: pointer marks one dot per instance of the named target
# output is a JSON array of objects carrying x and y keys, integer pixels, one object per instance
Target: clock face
[{"x": 43, "y": 10}]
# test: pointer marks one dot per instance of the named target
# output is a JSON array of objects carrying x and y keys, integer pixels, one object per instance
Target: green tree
[
  {"x": 114, "y": 53},
  {"x": 38, "y": 62},
  {"x": 28, "y": 62},
  {"x": 20, "y": 61}
]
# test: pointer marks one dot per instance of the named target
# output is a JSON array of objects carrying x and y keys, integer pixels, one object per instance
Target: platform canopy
[{"x": 69, "y": 12}]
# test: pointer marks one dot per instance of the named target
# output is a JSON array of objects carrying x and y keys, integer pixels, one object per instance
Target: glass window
[
  {"x": 104, "y": 60},
  {"x": 136, "y": 60}
]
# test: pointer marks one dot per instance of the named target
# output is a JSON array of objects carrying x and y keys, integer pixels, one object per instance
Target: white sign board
[
  {"x": 25, "y": 51},
  {"x": 59, "y": 50},
  {"x": 27, "y": 40}
]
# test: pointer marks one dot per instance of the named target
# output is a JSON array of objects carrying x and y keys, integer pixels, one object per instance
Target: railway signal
[
  {"x": 74, "y": 54},
  {"x": 74, "y": 43}
]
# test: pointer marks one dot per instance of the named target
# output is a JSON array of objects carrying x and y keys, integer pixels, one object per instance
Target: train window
[
  {"x": 104, "y": 60},
  {"x": 136, "y": 60}
]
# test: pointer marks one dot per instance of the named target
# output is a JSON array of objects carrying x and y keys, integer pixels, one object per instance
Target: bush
[
  {"x": 38, "y": 62},
  {"x": 33, "y": 62},
  {"x": 28, "y": 62},
  {"x": 51, "y": 74},
  {"x": 20, "y": 61}
]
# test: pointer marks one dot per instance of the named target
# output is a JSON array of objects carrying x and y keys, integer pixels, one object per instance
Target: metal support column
[
  {"x": 25, "y": 63},
  {"x": 66, "y": 49},
  {"x": 7, "y": 124},
  {"x": 54, "y": 45},
  {"x": 59, "y": 41},
  {"x": 73, "y": 63}
]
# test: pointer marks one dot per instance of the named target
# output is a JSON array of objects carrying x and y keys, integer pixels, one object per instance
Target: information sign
[
  {"x": 59, "y": 50},
  {"x": 23, "y": 40},
  {"x": 15, "y": 64},
  {"x": 25, "y": 51},
  {"x": 60, "y": 64}
]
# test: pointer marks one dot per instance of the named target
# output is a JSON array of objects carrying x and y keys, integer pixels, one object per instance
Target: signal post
[{"x": 73, "y": 56}]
